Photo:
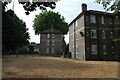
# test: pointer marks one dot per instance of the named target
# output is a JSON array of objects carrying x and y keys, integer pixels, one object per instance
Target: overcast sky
[{"x": 67, "y": 8}]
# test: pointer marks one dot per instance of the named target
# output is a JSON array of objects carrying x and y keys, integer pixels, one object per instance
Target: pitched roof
[{"x": 52, "y": 30}]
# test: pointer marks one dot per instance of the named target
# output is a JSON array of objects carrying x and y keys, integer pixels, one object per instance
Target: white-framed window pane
[
  {"x": 47, "y": 50},
  {"x": 48, "y": 35},
  {"x": 93, "y": 34},
  {"x": 104, "y": 49},
  {"x": 52, "y": 50},
  {"x": 111, "y": 34},
  {"x": 53, "y": 35},
  {"x": 48, "y": 42},
  {"x": 73, "y": 53},
  {"x": 94, "y": 49},
  {"x": 102, "y": 19},
  {"x": 87, "y": 33},
  {"x": 92, "y": 19},
  {"x": 110, "y": 20},
  {"x": 112, "y": 49},
  {"x": 103, "y": 34}
]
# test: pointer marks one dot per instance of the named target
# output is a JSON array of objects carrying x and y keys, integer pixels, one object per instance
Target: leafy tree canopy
[
  {"x": 49, "y": 19},
  {"x": 114, "y": 4},
  {"x": 14, "y": 31},
  {"x": 29, "y": 7}
]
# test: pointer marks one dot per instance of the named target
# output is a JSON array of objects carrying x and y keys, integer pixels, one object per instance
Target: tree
[
  {"x": 14, "y": 31},
  {"x": 29, "y": 7},
  {"x": 114, "y": 5},
  {"x": 49, "y": 19}
]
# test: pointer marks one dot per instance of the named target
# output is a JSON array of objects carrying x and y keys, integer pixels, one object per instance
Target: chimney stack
[{"x": 84, "y": 7}]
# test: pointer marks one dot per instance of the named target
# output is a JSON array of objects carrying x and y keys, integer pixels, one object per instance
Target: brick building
[
  {"x": 91, "y": 35},
  {"x": 52, "y": 43}
]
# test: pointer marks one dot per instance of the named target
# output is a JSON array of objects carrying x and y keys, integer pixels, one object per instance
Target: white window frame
[
  {"x": 52, "y": 50},
  {"x": 92, "y": 19},
  {"x": 94, "y": 49},
  {"x": 103, "y": 34},
  {"x": 110, "y": 20},
  {"x": 87, "y": 33},
  {"x": 48, "y": 36},
  {"x": 73, "y": 53},
  {"x": 76, "y": 49},
  {"x": 48, "y": 42},
  {"x": 53, "y": 35},
  {"x": 93, "y": 34},
  {"x": 102, "y": 19},
  {"x": 53, "y": 42},
  {"x": 104, "y": 49},
  {"x": 111, "y": 35},
  {"x": 112, "y": 49},
  {"x": 47, "y": 50}
]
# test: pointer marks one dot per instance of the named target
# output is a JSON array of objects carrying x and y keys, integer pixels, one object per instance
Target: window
[
  {"x": 102, "y": 19},
  {"x": 93, "y": 34},
  {"x": 94, "y": 49},
  {"x": 104, "y": 49},
  {"x": 116, "y": 17},
  {"x": 112, "y": 49},
  {"x": 111, "y": 34},
  {"x": 47, "y": 50},
  {"x": 76, "y": 39},
  {"x": 110, "y": 20},
  {"x": 73, "y": 52},
  {"x": 103, "y": 34},
  {"x": 53, "y": 35},
  {"x": 76, "y": 23},
  {"x": 52, "y": 50},
  {"x": 53, "y": 42},
  {"x": 92, "y": 19},
  {"x": 48, "y": 42},
  {"x": 48, "y": 36},
  {"x": 87, "y": 33}
]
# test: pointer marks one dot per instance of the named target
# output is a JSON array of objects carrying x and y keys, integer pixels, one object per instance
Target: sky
[{"x": 67, "y": 8}]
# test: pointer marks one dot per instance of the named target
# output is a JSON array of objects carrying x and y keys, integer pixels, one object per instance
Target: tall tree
[
  {"x": 49, "y": 19},
  {"x": 110, "y": 5},
  {"x": 14, "y": 31}
]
